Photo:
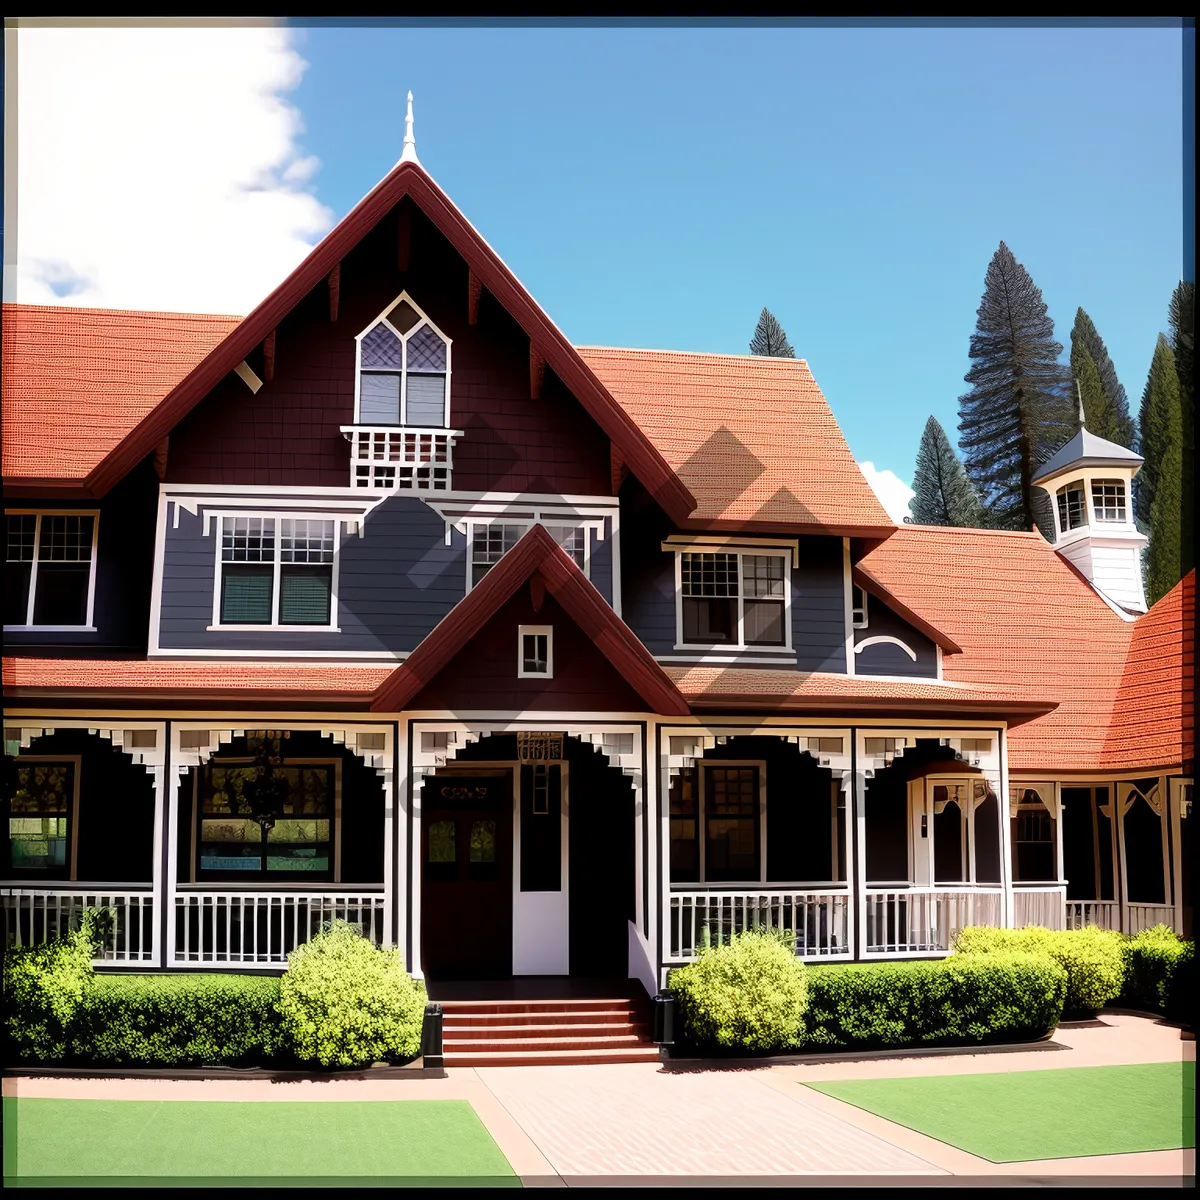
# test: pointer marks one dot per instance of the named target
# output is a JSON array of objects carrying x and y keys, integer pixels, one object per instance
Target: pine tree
[
  {"x": 1160, "y": 399},
  {"x": 1019, "y": 409},
  {"x": 769, "y": 339},
  {"x": 944, "y": 495},
  {"x": 1182, "y": 316},
  {"x": 1163, "y": 556},
  {"x": 1105, "y": 404}
]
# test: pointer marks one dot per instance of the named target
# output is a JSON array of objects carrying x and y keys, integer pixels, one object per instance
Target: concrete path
[{"x": 561, "y": 1125}]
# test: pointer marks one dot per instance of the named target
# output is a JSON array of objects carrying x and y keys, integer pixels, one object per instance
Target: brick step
[
  {"x": 550, "y": 1017},
  {"x": 534, "y": 1007},
  {"x": 457, "y": 1030},
  {"x": 489, "y": 1045},
  {"x": 551, "y": 1058}
]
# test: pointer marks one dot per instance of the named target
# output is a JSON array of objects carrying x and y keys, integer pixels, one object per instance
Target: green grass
[
  {"x": 1023, "y": 1115},
  {"x": 237, "y": 1140}
]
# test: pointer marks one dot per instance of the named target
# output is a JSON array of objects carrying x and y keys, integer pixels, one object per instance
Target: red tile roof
[
  {"x": 752, "y": 438},
  {"x": 1153, "y": 720},
  {"x": 1027, "y": 623},
  {"x": 77, "y": 380},
  {"x": 151, "y": 677}
]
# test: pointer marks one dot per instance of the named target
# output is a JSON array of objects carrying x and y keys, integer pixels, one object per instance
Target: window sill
[
  {"x": 731, "y": 648},
  {"x": 273, "y": 628},
  {"x": 534, "y": 675},
  {"x": 49, "y": 628}
]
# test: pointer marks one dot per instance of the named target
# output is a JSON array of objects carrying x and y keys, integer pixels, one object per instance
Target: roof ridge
[
  {"x": 763, "y": 358},
  {"x": 125, "y": 312},
  {"x": 967, "y": 529}
]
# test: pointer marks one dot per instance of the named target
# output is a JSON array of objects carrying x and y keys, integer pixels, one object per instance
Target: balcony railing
[
  {"x": 261, "y": 928},
  {"x": 1104, "y": 913},
  {"x": 819, "y": 920},
  {"x": 1042, "y": 904},
  {"x": 406, "y": 457},
  {"x": 34, "y": 915},
  {"x": 906, "y": 919}
]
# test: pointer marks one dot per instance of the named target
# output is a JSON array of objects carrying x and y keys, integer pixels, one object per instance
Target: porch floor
[{"x": 532, "y": 987}]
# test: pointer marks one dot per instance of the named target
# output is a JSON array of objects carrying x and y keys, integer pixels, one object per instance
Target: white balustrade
[
  {"x": 35, "y": 915},
  {"x": 1104, "y": 913},
  {"x": 918, "y": 919},
  {"x": 1044, "y": 906},
  {"x": 260, "y": 928},
  {"x": 819, "y": 920},
  {"x": 404, "y": 457}
]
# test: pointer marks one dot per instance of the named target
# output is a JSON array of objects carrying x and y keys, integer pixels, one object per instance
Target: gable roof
[
  {"x": 1027, "y": 623},
  {"x": 1153, "y": 722},
  {"x": 1085, "y": 449},
  {"x": 77, "y": 380},
  {"x": 406, "y": 179},
  {"x": 863, "y": 577},
  {"x": 535, "y": 555},
  {"x": 753, "y": 438}
]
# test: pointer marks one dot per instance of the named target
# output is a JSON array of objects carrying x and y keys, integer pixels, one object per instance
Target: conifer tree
[
  {"x": 769, "y": 339},
  {"x": 944, "y": 495},
  {"x": 1183, "y": 342},
  {"x": 1019, "y": 409},
  {"x": 1159, "y": 496},
  {"x": 1159, "y": 397},
  {"x": 1105, "y": 404}
]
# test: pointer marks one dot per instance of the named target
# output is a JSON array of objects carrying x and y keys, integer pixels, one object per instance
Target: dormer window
[
  {"x": 1108, "y": 499},
  {"x": 403, "y": 371},
  {"x": 1072, "y": 506}
]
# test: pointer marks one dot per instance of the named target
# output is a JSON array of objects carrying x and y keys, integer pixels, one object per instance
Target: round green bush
[
  {"x": 344, "y": 1002},
  {"x": 1094, "y": 959},
  {"x": 1158, "y": 963},
  {"x": 748, "y": 994}
]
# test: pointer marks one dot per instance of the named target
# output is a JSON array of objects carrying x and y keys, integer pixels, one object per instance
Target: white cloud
[
  {"x": 894, "y": 494},
  {"x": 160, "y": 168}
]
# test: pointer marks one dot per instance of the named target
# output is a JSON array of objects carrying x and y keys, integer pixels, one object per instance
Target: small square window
[
  {"x": 858, "y": 607},
  {"x": 535, "y": 652}
]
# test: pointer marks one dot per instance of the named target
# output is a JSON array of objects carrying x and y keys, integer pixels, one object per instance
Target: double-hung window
[
  {"x": 1108, "y": 500},
  {"x": 717, "y": 824},
  {"x": 733, "y": 599},
  {"x": 490, "y": 542},
  {"x": 276, "y": 571},
  {"x": 403, "y": 371},
  {"x": 50, "y": 570}
]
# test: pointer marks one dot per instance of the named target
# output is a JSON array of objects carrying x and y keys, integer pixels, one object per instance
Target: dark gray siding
[
  {"x": 395, "y": 584},
  {"x": 887, "y": 658},
  {"x": 648, "y": 593},
  {"x": 600, "y": 567},
  {"x": 819, "y": 606}
]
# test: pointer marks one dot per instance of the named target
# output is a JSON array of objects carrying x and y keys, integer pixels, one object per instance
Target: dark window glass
[
  {"x": 534, "y": 649},
  {"x": 38, "y": 819},
  {"x": 1072, "y": 506},
  {"x": 709, "y": 620},
  {"x": 304, "y": 595},
  {"x": 685, "y": 822},
  {"x": 541, "y": 828},
  {"x": 246, "y": 594},
  {"x": 16, "y": 592},
  {"x": 731, "y": 849},
  {"x": 62, "y": 593}
]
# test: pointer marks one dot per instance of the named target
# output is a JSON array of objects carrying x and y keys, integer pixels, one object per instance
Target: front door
[{"x": 466, "y": 876}]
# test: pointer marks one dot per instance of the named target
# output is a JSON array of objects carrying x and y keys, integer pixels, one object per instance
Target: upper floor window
[
  {"x": 1072, "y": 506},
  {"x": 50, "y": 570},
  {"x": 1108, "y": 499},
  {"x": 733, "y": 599},
  {"x": 403, "y": 370},
  {"x": 276, "y": 571},
  {"x": 491, "y": 541},
  {"x": 858, "y": 607}
]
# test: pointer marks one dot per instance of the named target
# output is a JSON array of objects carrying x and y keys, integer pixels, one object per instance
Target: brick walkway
[{"x": 564, "y": 1123}]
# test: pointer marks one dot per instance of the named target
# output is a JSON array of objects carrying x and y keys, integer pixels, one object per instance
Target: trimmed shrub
[
  {"x": 1094, "y": 959},
  {"x": 1158, "y": 966},
  {"x": 179, "y": 1020},
  {"x": 346, "y": 1003},
  {"x": 748, "y": 994},
  {"x": 996, "y": 997},
  {"x": 44, "y": 987}
]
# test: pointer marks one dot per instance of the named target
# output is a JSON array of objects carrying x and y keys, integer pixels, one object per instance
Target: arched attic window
[
  {"x": 403, "y": 370},
  {"x": 1072, "y": 506}
]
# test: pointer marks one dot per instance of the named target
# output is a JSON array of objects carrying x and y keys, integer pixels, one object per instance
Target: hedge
[
  {"x": 963, "y": 999},
  {"x": 44, "y": 987},
  {"x": 179, "y": 1020},
  {"x": 1094, "y": 959},
  {"x": 748, "y": 994},
  {"x": 1160, "y": 972}
]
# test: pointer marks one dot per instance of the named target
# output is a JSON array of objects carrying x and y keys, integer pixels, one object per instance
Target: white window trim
[
  {"x": 740, "y": 644},
  {"x": 1126, "y": 500},
  {"x": 524, "y": 631},
  {"x": 592, "y": 527},
  {"x": 886, "y": 639},
  {"x": 89, "y": 626},
  {"x": 403, "y": 298},
  {"x": 216, "y": 520},
  {"x": 859, "y": 614},
  {"x": 1086, "y": 478}
]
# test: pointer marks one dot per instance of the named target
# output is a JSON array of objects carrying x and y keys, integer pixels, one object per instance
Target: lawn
[
  {"x": 273, "y": 1141},
  {"x": 1023, "y": 1115}
]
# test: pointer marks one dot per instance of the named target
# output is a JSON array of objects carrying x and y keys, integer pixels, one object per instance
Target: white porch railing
[
  {"x": 260, "y": 928},
  {"x": 33, "y": 915},
  {"x": 901, "y": 921},
  {"x": 1043, "y": 905},
  {"x": 1146, "y": 916},
  {"x": 1104, "y": 913},
  {"x": 819, "y": 920},
  {"x": 405, "y": 457}
]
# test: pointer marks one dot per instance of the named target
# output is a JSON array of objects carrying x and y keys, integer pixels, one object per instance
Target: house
[{"x": 386, "y": 602}]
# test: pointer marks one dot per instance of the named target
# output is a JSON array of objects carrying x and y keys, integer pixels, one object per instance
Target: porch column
[
  {"x": 1175, "y": 801},
  {"x": 1007, "y": 917},
  {"x": 1163, "y": 821}
]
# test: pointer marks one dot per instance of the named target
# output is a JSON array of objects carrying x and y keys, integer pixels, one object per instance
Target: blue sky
[{"x": 657, "y": 186}]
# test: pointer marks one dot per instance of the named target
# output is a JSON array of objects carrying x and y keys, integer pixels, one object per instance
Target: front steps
[{"x": 538, "y": 1033}]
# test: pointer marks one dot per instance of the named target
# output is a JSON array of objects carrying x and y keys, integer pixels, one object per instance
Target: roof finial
[
  {"x": 410, "y": 142},
  {"x": 1079, "y": 393}
]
